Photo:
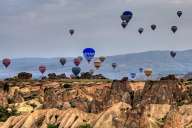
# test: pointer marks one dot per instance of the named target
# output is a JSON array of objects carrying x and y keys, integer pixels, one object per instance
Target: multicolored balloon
[
  {"x": 89, "y": 54},
  {"x": 42, "y": 69},
  {"x": 97, "y": 63},
  {"x": 77, "y": 61},
  {"x": 6, "y": 62},
  {"x": 148, "y": 72}
]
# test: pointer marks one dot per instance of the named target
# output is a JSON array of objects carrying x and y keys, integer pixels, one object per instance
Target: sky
[{"x": 39, "y": 28}]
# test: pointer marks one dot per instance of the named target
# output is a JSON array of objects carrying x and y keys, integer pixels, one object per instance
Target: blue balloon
[
  {"x": 89, "y": 54},
  {"x": 133, "y": 75},
  {"x": 76, "y": 70},
  {"x": 126, "y": 16},
  {"x": 128, "y": 13}
]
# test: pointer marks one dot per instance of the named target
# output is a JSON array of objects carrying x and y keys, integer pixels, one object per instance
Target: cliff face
[
  {"x": 71, "y": 103},
  {"x": 118, "y": 116}
]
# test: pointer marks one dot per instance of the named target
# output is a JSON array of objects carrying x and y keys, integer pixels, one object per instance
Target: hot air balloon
[
  {"x": 62, "y": 61},
  {"x": 179, "y": 13},
  {"x": 140, "y": 70},
  {"x": 126, "y": 16},
  {"x": 89, "y": 54},
  {"x": 42, "y": 69},
  {"x": 91, "y": 71},
  {"x": 97, "y": 63},
  {"x": 114, "y": 65},
  {"x": 173, "y": 54},
  {"x": 174, "y": 29},
  {"x": 153, "y": 27},
  {"x": 80, "y": 57},
  {"x": 76, "y": 70},
  {"x": 6, "y": 62},
  {"x": 71, "y": 31},
  {"x": 140, "y": 30},
  {"x": 77, "y": 61},
  {"x": 148, "y": 72},
  {"x": 133, "y": 75},
  {"x": 102, "y": 58},
  {"x": 124, "y": 24}
]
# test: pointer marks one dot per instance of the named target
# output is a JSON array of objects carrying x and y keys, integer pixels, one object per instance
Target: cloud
[{"x": 36, "y": 27}]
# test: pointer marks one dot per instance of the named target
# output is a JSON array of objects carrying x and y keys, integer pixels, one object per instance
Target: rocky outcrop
[
  {"x": 180, "y": 117},
  {"x": 102, "y": 104},
  {"x": 163, "y": 92},
  {"x": 24, "y": 75},
  {"x": 120, "y": 115},
  {"x": 88, "y": 75},
  {"x": 54, "y": 76}
]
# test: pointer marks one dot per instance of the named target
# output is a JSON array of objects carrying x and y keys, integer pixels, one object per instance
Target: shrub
[
  {"x": 52, "y": 126},
  {"x": 85, "y": 126},
  {"x": 73, "y": 105},
  {"x": 4, "y": 114}
]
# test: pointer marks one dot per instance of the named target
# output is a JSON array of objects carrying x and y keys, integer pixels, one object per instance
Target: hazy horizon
[{"x": 185, "y": 50}]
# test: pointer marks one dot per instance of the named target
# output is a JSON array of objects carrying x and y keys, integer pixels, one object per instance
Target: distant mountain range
[{"x": 159, "y": 61}]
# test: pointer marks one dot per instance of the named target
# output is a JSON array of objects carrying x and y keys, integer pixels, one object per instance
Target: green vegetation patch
[
  {"x": 5, "y": 114},
  {"x": 52, "y": 126},
  {"x": 85, "y": 126}
]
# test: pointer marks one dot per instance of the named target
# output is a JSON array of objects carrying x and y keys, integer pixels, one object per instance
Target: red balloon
[
  {"x": 42, "y": 68},
  {"x": 6, "y": 62},
  {"x": 77, "y": 61}
]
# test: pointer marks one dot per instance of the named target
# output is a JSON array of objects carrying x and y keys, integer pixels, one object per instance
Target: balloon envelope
[
  {"x": 179, "y": 13},
  {"x": 148, "y": 72},
  {"x": 89, "y": 54},
  {"x": 77, "y": 61},
  {"x": 174, "y": 29},
  {"x": 97, "y": 63},
  {"x": 141, "y": 70},
  {"x": 153, "y": 27},
  {"x": 42, "y": 68},
  {"x": 102, "y": 58},
  {"x": 133, "y": 75},
  {"x": 62, "y": 61},
  {"x": 76, "y": 70},
  {"x": 173, "y": 54},
  {"x": 124, "y": 24},
  {"x": 126, "y": 16},
  {"x": 71, "y": 31},
  {"x": 140, "y": 30},
  {"x": 6, "y": 62},
  {"x": 80, "y": 57},
  {"x": 114, "y": 65},
  {"x": 91, "y": 71}
]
